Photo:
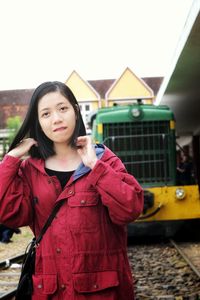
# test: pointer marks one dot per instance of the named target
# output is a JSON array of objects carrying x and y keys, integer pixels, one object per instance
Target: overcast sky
[{"x": 47, "y": 39}]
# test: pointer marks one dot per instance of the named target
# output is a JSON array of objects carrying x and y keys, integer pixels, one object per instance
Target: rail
[
  {"x": 7, "y": 285},
  {"x": 186, "y": 258}
]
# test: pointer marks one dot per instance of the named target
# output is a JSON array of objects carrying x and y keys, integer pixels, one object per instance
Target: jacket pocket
[
  {"x": 83, "y": 212},
  {"x": 44, "y": 285},
  {"x": 95, "y": 282},
  {"x": 83, "y": 200}
]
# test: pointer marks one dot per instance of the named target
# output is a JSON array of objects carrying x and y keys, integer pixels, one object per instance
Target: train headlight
[
  {"x": 136, "y": 112},
  {"x": 180, "y": 194}
]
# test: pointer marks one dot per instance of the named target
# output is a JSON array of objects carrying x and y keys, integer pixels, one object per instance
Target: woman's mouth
[{"x": 59, "y": 129}]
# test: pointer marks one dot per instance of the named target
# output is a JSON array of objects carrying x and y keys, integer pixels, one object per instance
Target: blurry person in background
[
  {"x": 185, "y": 170},
  {"x": 6, "y": 233}
]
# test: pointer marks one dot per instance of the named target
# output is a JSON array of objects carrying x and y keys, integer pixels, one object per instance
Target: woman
[{"x": 83, "y": 253}]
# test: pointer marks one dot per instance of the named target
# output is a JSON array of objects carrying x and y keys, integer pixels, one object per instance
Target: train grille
[{"x": 144, "y": 148}]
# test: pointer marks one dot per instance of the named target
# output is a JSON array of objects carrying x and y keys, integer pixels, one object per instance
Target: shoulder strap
[{"x": 49, "y": 221}]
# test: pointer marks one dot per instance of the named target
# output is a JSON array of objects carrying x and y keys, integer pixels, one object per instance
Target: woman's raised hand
[
  {"x": 86, "y": 151},
  {"x": 22, "y": 148}
]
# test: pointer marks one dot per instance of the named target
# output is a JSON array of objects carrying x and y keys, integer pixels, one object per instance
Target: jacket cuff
[{"x": 11, "y": 161}]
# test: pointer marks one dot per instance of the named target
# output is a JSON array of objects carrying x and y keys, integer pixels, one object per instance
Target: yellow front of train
[{"x": 144, "y": 137}]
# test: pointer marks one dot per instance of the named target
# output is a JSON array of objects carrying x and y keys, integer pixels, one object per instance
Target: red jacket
[{"x": 83, "y": 253}]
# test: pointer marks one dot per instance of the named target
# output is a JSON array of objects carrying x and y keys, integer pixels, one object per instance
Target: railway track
[
  {"x": 160, "y": 271},
  {"x": 166, "y": 271},
  {"x": 191, "y": 254},
  {"x": 9, "y": 275}
]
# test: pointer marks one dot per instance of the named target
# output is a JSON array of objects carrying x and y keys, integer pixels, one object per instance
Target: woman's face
[{"x": 57, "y": 117}]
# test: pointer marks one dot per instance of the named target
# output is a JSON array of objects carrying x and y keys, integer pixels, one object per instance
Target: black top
[{"x": 63, "y": 176}]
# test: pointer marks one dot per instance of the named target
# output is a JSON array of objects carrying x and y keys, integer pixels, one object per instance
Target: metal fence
[{"x": 4, "y": 141}]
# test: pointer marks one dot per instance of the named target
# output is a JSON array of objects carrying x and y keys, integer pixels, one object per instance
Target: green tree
[{"x": 12, "y": 124}]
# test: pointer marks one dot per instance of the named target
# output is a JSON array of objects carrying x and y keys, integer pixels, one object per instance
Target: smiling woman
[{"x": 83, "y": 253}]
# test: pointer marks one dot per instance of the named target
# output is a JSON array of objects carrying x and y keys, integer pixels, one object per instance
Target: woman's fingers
[
  {"x": 23, "y": 147},
  {"x": 86, "y": 151}
]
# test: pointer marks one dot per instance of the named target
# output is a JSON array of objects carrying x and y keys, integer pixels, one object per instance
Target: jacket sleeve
[
  {"x": 15, "y": 205},
  {"x": 119, "y": 191}
]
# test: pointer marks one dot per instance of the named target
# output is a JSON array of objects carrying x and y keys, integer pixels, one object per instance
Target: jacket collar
[{"x": 80, "y": 171}]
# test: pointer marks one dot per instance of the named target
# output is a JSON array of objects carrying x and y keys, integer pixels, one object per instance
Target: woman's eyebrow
[
  {"x": 61, "y": 103},
  {"x": 43, "y": 109}
]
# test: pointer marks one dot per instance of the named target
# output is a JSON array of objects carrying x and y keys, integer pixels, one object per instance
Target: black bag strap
[{"x": 49, "y": 221}]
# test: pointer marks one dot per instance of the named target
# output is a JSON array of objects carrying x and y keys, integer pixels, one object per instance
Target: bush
[{"x": 13, "y": 124}]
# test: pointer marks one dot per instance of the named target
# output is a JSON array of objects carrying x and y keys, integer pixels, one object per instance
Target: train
[{"x": 143, "y": 136}]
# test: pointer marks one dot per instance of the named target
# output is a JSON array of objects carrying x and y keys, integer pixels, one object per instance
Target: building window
[{"x": 87, "y": 107}]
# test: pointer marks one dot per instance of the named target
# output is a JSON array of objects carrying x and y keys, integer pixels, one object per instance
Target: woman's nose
[{"x": 56, "y": 117}]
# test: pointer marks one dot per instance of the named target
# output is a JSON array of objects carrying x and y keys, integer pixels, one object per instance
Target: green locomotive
[{"x": 143, "y": 137}]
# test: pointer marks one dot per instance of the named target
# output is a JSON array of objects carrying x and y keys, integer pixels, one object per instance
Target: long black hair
[{"x": 31, "y": 127}]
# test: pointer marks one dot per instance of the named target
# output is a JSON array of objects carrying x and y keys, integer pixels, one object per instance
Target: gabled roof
[
  {"x": 153, "y": 82},
  {"x": 101, "y": 86},
  {"x": 82, "y": 82},
  {"x": 134, "y": 78}
]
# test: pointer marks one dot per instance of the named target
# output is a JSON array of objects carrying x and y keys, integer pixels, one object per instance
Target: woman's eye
[
  {"x": 63, "y": 108},
  {"x": 45, "y": 115}
]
